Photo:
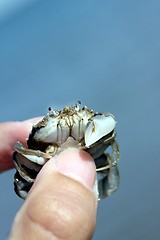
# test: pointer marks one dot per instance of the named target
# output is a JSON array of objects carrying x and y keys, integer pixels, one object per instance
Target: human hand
[{"x": 62, "y": 202}]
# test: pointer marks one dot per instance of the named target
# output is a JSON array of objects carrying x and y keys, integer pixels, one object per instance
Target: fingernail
[{"x": 78, "y": 165}]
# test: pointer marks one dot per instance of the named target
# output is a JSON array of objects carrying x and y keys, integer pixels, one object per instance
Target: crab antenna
[
  {"x": 52, "y": 112},
  {"x": 50, "y": 109},
  {"x": 77, "y": 105}
]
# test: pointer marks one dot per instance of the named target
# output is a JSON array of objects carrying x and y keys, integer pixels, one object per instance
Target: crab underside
[{"x": 70, "y": 127}]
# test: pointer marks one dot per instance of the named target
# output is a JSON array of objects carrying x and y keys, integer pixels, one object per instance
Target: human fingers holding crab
[
  {"x": 62, "y": 202},
  {"x": 58, "y": 164}
]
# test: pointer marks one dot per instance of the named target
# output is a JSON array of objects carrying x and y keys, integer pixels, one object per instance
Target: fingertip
[
  {"x": 77, "y": 164},
  {"x": 62, "y": 201}
]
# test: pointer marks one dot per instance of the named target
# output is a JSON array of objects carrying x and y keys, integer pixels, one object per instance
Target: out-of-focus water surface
[{"x": 106, "y": 54}]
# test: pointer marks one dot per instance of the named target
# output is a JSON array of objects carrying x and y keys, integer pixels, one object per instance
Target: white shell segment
[
  {"x": 98, "y": 127},
  {"x": 48, "y": 133},
  {"x": 77, "y": 128},
  {"x": 79, "y": 122},
  {"x": 62, "y": 131},
  {"x": 23, "y": 194},
  {"x": 55, "y": 130},
  {"x": 35, "y": 159}
]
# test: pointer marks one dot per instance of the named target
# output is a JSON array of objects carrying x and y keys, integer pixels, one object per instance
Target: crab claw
[{"x": 98, "y": 127}]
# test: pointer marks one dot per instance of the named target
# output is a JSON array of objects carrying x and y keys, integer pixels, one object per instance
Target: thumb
[{"x": 62, "y": 202}]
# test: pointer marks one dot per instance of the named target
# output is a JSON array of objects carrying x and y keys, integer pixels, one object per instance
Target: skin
[{"x": 62, "y": 203}]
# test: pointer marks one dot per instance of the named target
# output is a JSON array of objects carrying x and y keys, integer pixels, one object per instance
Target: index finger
[{"x": 10, "y": 132}]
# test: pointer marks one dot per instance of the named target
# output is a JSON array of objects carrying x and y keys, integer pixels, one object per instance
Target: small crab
[{"x": 70, "y": 127}]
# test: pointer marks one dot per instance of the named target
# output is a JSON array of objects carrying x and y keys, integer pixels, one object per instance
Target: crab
[{"x": 73, "y": 126}]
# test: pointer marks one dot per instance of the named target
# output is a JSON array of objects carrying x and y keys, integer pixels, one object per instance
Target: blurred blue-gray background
[{"x": 106, "y": 54}]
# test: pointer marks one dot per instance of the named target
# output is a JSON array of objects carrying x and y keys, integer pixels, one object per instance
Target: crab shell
[
  {"x": 83, "y": 125},
  {"x": 70, "y": 127}
]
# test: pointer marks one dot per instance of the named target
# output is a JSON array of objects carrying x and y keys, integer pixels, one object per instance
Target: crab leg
[
  {"x": 33, "y": 155},
  {"x": 109, "y": 182},
  {"x": 113, "y": 159}
]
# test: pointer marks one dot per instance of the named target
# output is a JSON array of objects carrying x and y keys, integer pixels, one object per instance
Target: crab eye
[{"x": 98, "y": 127}]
